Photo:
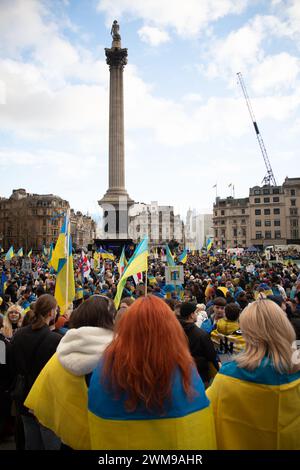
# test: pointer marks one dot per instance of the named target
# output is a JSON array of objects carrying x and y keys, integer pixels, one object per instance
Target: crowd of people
[{"x": 209, "y": 364}]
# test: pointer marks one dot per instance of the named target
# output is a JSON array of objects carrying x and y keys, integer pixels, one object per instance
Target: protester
[
  {"x": 147, "y": 382},
  {"x": 12, "y": 321},
  {"x": 58, "y": 398},
  {"x": 256, "y": 398},
  {"x": 31, "y": 348}
]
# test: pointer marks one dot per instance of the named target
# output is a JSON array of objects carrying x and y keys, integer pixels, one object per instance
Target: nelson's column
[{"x": 116, "y": 202}]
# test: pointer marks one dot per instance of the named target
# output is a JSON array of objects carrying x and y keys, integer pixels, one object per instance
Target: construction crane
[{"x": 269, "y": 178}]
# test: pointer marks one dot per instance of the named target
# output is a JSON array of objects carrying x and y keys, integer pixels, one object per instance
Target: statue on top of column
[{"x": 115, "y": 31}]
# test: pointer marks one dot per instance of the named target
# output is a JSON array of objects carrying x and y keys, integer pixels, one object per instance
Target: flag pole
[
  {"x": 146, "y": 282},
  {"x": 67, "y": 257}
]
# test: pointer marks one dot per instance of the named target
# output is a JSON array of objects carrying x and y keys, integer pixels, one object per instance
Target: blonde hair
[
  {"x": 7, "y": 329},
  {"x": 267, "y": 333}
]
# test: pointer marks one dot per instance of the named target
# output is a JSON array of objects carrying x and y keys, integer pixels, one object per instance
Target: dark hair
[
  {"x": 28, "y": 318},
  {"x": 98, "y": 311},
  {"x": 220, "y": 301},
  {"x": 232, "y": 311},
  {"x": 171, "y": 303},
  {"x": 187, "y": 308},
  {"x": 42, "y": 307}
]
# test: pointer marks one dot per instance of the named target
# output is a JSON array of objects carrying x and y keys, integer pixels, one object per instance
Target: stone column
[{"x": 116, "y": 201}]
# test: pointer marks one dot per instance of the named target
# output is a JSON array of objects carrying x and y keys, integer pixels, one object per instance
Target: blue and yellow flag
[
  {"x": 170, "y": 257},
  {"x": 62, "y": 263},
  {"x": 122, "y": 262},
  {"x": 29, "y": 253},
  {"x": 1, "y": 249},
  {"x": 137, "y": 264},
  {"x": 186, "y": 424},
  {"x": 10, "y": 254},
  {"x": 183, "y": 257},
  {"x": 209, "y": 244},
  {"x": 45, "y": 251},
  {"x": 20, "y": 252},
  {"x": 106, "y": 255},
  {"x": 265, "y": 415}
]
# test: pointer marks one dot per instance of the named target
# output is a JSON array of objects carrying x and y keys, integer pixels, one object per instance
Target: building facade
[
  {"x": 33, "y": 220},
  {"x": 231, "y": 222},
  {"x": 158, "y": 223},
  {"x": 199, "y": 227},
  {"x": 269, "y": 216}
]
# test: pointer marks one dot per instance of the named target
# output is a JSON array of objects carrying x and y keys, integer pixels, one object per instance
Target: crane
[{"x": 269, "y": 178}]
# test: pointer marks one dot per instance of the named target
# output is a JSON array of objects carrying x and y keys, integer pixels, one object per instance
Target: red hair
[{"x": 148, "y": 347}]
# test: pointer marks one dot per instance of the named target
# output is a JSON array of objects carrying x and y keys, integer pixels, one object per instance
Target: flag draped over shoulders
[
  {"x": 256, "y": 410},
  {"x": 187, "y": 423}
]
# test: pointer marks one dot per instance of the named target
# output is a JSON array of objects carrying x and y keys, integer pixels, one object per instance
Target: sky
[{"x": 187, "y": 126}]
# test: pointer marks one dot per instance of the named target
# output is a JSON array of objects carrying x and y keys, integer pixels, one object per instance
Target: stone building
[
  {"x": 269, "y": 216},
  {"x": 159, "y": 223},
  {"x": 33, "y": 220}
]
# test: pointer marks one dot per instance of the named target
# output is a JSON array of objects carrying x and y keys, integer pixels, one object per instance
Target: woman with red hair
[{"x": 146, "y": 392}]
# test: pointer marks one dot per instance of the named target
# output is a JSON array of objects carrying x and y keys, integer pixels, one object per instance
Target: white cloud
[
  {"x": 188, "y": 18},
  {"x": 153, "y": 36},
  {"x": 277, "y": 72}
]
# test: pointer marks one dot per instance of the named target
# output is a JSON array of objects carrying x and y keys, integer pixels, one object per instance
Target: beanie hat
[{"x": 187, "y": 308}]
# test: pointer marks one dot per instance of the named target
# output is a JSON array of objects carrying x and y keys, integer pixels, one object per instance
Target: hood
[{"x": 81, "y": 349}]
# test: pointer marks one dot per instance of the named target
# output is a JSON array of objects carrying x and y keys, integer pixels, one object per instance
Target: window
[
  {"x": 223, "y": 233},
  {"x": 235, "y": 232},
  {"x": 258, "y": 223},
  {"x": 235, "y": 242},
  {"x": 268, "y": 235},
  {"x": 257, "y": 200},
  {"x": 234, "y": 221},
  {"x": 243, "y": 221},
  {"x": 267, "y": 211},
  {"x": 277, "y": 223},
  {"x": 257, "y": 191},
  {"x": 222, "y": 212},
  {"x": 222, "y": 222},
  {"x": 257, "y": 211},
  {"x": 276, "y": 199},
  {"x": 243, "y": 211},
  {"x": 44, "y": 222},
  {"x": 266, "y": 200},
  {"x": 258, "y": 235},
  {"x": 267, "y": 223},
  {"x": 294, "y": 222},
  {"x": 244, "y": 232},
  {"x": 266, "y": 191},
  {"x": 276, "y": 211},
  {"x": 293, "y": 192},
  {"x": 244, "y": 242},
  {"x": 216, "y": 213},
  {"x": 276, "y": 191},
  {"x": 216, "y": 233},
  {"x": 277, "y": 234},
  {"x": 293, "y": 211},
  {"x": 295, "y": 233},
  {"x": 293, "y": 202}
]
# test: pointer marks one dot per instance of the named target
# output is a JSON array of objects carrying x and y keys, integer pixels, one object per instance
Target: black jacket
[
  {"x": 31, "y": 350},
  {"x": 201, "y": 348}
]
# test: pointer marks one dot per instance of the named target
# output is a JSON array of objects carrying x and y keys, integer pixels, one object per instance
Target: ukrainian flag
[
  {"x": 183, "y": 257},
  {"x": 137, "y": 264},
  {"x": 10, "y": 254},
  {"x": 45, "y": 251},
  {"x": 170, "y": 258},
  {"x": 62, "y": 262},
  {"x": 187, "y": 424},
  {"x": 20, "y": 252},
  {"x": 29, "y": 253},
  {"x": 123, "y": 262},
  {"x": 1, "y": 250},
  {"x": 256, "y": 410},
  {"x": 106, "y": 255},
  {"x": 59, "y": 401},
  {"x": 209, "y": 244}
]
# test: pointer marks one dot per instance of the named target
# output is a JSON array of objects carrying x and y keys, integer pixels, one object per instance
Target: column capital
[{"x": 116, "y": 57}]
